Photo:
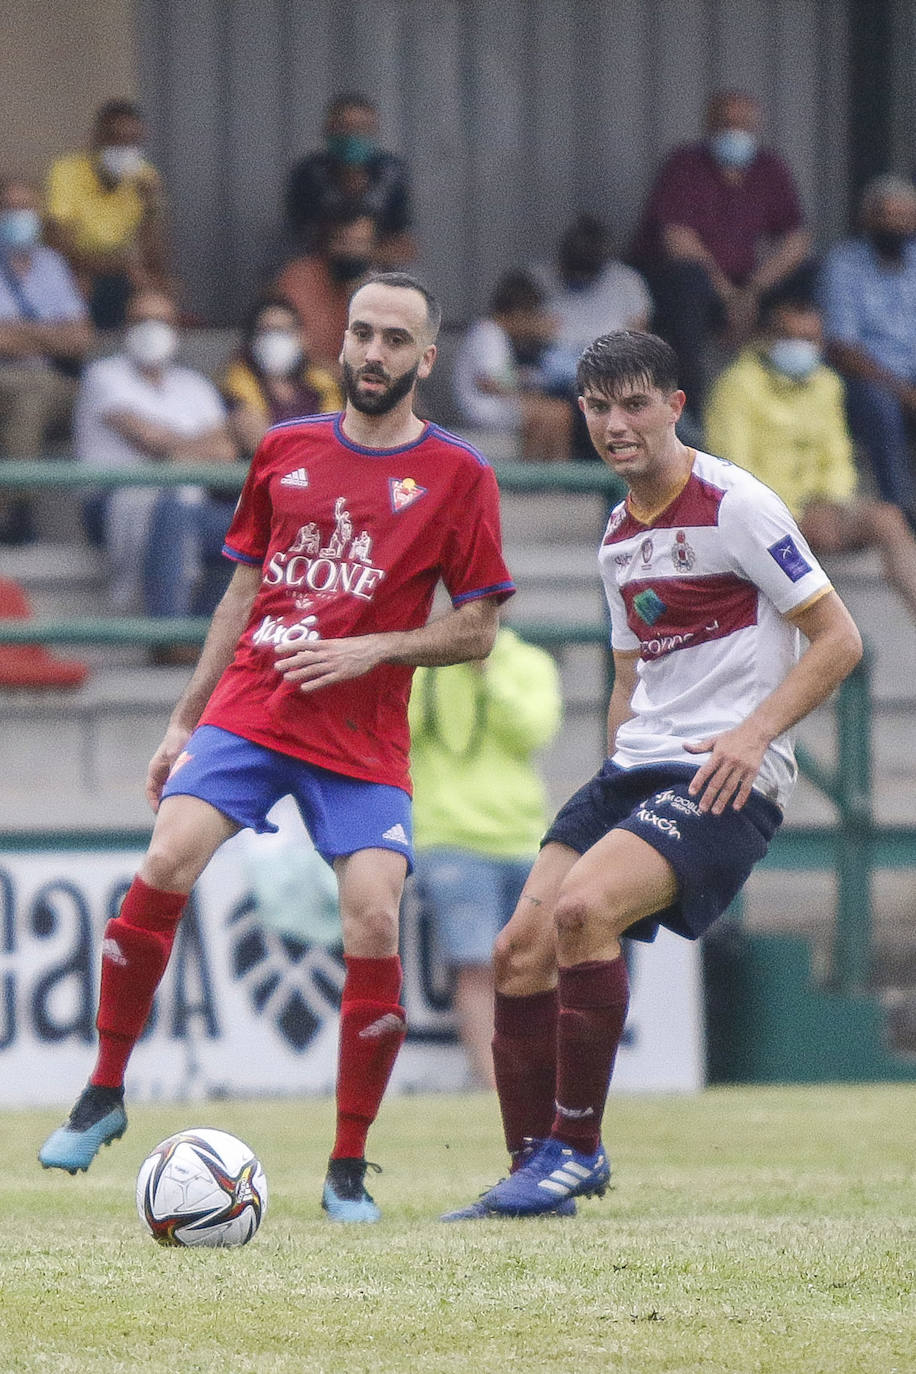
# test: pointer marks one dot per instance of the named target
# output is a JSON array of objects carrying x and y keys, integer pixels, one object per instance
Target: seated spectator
[
  {"x": 352, "y": 173},
  {"x": 778, "y": 412},
  {"x": 590, "y": 292},
  {"x": 499, "y": 378},
  {"x": 320, "y": 283},
  {"x": 722, "y": 225},
  {"x": 868, "y": 297},
  {"x": 273, "y": 378},
  {"x": 139, "y": 406},
  {"x": 104, "y": 210},
  {"x": 44, "y": 335}
]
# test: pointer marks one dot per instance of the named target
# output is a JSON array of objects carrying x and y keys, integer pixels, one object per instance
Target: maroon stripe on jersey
[
  {"x": 696, "y": 505},
  {"x": 668, "y": 614}
]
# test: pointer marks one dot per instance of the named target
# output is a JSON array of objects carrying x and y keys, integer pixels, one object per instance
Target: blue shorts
[
  {"x": 244, "y": 780},
  {"x": 469, "y": 898},
  {"x": 712, "y": 856}
]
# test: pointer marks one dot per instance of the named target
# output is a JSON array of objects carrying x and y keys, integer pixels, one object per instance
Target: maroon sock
[
  {"x": 372, "y": 1030},
  {"x": 525, "y": 1065},
  {"x": 135, "y": 952},
  {"x": 593, "y": 1008}
]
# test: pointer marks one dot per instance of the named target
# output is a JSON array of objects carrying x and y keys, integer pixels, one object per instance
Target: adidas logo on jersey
[
  {"x": 395, "y": 832},
  {"x": 298, "y": 478}
]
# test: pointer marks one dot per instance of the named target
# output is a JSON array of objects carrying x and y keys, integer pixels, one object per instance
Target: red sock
[
  {"x": 135, "y": 952},
  {"x": 525, "y": 1064},
  {"x": 593, "y": 1008},
  {"x": 372, "y": 1030}
]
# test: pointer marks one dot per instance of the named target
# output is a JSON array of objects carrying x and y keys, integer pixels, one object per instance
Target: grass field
[{"x": 748, "y": 1230}]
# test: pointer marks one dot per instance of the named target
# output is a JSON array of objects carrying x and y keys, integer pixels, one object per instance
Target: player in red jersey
[
  {"x": 344, "y": 528},
  {"x": 709, "y": 584}
]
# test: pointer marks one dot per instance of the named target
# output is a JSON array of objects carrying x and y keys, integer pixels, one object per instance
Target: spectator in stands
[
  {"x": 105, "y": 213},
  {"x": 479, "y": 810},
  {"x": 273, "y": 377},
  {"x": 778, "y": 412},
  {"x": 139, "y": 406},
  {"x": 352, "y": 172},
  {"x": 44, "y": 336},
  {"x": 589, "y": 293},
  {"x": 320, "y": 283},
  {"x": 722, "y": 225},
  {"x": 868, "y": 296},
  {"x": 500, "y": 380}
]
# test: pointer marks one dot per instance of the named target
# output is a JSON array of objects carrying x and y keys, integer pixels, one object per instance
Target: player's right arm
[
  {"x": 229, "y": 621},
  {"x": 620, "y": 708}
]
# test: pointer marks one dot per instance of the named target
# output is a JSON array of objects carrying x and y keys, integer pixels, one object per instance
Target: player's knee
[
  {"x": 370, "y": 928},
  {"x": 521, "y": 963},
  {"x": 573, "y": 914},
  {"x": 168, "y": 870}
]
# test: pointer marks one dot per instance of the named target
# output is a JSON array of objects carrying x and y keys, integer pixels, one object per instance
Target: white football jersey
[{"x": 702, "y": 593}]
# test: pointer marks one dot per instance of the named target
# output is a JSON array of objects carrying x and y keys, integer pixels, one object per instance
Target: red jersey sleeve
[
  {"x": 472, "y": 563},
  {"x": 248, "y": 535}
]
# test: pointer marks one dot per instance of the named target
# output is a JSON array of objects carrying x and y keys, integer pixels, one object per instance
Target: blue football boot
[
  {"x": 97, "y": 1119},
  {"x": 479, "y": 1210},
  {"x": 345, "y": 1197},
  {"x": 555, "y": 1174}
]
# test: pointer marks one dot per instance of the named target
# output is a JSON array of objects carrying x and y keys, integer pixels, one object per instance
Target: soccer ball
[{"x": 201, "y": 1187}]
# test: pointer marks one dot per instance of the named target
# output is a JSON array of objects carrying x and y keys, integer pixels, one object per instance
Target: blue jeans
[{"x": 878, "y": 424}]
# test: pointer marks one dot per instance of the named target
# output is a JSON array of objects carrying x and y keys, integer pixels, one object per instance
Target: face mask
[
  {"x": 348, "y": 266},
  {"x": 797, "y": 358},
  {"x": 276, "y": 352},
  {"x": 889, "y": 243},
  {"x": 121, "y": 161},
  {"x": 355, "y": 150},
  {"x": 151, "y": 343},
  {"x": 733, "y": 147},
  {"x": 19, "y": 229}
]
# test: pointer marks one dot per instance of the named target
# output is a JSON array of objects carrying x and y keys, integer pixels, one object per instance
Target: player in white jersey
[{"x": 710, "y": 587}]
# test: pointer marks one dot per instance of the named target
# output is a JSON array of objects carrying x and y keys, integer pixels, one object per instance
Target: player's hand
[
  {"x": 162, "y": 762},
  {"x": 728, "y": 774},
  {"x": 322, "y": 662}
]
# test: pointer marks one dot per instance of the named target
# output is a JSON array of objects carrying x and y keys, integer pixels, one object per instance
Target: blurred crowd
[{"x": 801, "y": 367}]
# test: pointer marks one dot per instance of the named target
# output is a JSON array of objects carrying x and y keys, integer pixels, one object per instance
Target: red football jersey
[{"x": 351, "y": 541}]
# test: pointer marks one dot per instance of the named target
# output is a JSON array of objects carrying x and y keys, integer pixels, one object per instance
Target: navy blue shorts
[
  {"x": 244, "y": 780},
  {"x": 712, "y": 856}
]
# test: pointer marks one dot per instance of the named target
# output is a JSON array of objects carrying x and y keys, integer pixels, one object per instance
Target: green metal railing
[{"x": 847, "y": 784}]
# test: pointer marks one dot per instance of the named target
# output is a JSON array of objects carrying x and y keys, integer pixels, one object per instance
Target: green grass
[{"x": 748, "y": 1230}]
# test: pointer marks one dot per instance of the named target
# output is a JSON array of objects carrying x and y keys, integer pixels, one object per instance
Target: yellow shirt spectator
[
  {"x": 241, "y": 386},
  {"x": 790, "y": 434},
  {"x": 101, "y": 219}
]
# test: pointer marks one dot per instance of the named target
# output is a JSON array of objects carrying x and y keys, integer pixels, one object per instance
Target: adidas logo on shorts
[{"x": 396, "y": 833}]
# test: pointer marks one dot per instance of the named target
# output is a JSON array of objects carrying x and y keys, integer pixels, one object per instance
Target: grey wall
[{"x": 514, "y": 114}]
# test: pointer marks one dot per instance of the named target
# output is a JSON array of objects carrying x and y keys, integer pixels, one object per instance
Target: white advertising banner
[{"x": 245, "y": 1009}]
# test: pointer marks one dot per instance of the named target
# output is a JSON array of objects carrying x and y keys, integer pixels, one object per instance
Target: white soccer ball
[{"x": 201, "y": 1187}]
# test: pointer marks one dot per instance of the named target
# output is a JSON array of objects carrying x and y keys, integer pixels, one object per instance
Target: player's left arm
[
  {"x": 834, "y": 649},
  {"x": 465, "y": 633}
]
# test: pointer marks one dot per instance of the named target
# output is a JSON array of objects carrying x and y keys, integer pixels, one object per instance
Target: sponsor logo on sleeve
[{"x": 786, "y": 553}]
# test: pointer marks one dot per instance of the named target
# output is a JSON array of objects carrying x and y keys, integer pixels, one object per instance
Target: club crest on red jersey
[{"x": 404, "y": 491}]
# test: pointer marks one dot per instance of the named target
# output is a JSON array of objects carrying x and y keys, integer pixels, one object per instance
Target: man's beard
[{"x": 377, "y": 402}]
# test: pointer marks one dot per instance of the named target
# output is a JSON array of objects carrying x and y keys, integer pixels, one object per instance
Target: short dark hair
[
  {"x": 117, "y": 109},
  {"x": 627, "y": 355},
  {"x": 348, "y": 100},
  {"x": 516, "y": 290},
  {"x": 775, "y": 302},
  {"x": 404, "y": 281}
]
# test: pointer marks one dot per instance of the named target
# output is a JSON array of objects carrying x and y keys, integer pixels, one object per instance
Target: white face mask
[
  {"x": 151, "y": 343},
  {"x": 122, "y": 161},
  {"x": 276, "y": 352},
  {"x": 797, "y": 358}
]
